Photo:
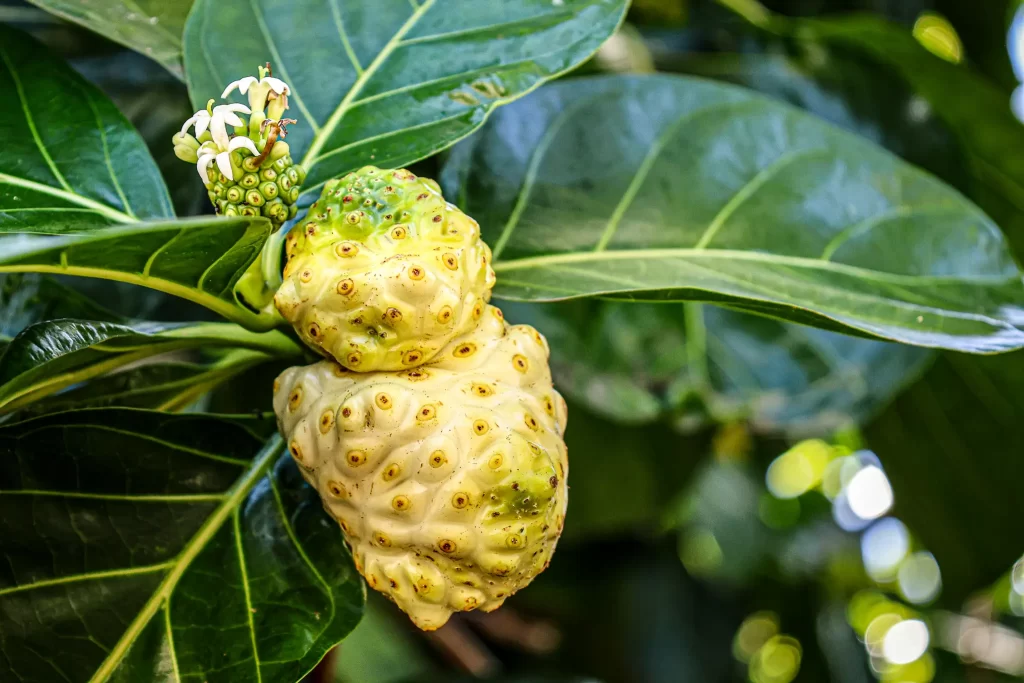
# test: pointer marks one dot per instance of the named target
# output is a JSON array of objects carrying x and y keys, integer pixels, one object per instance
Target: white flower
[
  {"x": 224, "y": 115},
  {"x": 211, "y": 151},
  {"x": 243, "y": 84},
  {"x": 201, "y": 120},
  {"x": 203, "y": 164}
]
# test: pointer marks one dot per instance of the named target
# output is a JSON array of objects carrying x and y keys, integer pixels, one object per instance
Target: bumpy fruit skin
[
  {"x": 384, "y": 272},
  {"x": 269, "y": 189},
  {"x": 448, "y": 480}
]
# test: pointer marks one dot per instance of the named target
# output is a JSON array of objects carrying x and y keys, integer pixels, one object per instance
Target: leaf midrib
[
  {"x": 228, "y": 309},
  {"x": 84, "y": 202},
  {"x": 740, "y": 255},
  {"x": 331, "y": 124},
  {"x": 233, "y": 498}
]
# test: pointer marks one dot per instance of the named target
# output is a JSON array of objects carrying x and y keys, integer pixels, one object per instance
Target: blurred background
[{"x": 762, "y": 502}]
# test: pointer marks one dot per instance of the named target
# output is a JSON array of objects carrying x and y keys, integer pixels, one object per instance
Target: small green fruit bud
[
  {"x": 186, "y": 153},
  {"x": 268, "y": 190}
]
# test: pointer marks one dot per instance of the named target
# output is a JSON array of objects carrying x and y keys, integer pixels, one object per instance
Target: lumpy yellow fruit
[
  {"x": 384, "y": 272},
  {"x": 448, "y": 480}
]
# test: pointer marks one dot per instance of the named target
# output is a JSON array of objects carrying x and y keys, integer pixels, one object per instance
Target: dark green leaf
[
  {"x": 142, "y": 546},
  {"x": 27, "y": 298},
  {"x": 952, "y": 448},
  {"x": 977, "y": 111},
  {"x": 153, "y": 28},
  {"x": 388, "y": 82},
  {"x": 197, "y": 259},
  {"x": 156, "y": 103},
  {"x": 642, "y": 362},
  {"x": 49, "y": 356},
  {"x": 167, "y": 386},
  {"x": 70, "y": 161},
  {"x": 669, "y": 188}
]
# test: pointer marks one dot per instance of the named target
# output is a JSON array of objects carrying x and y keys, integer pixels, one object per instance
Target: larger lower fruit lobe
[
  {"x": 384, "y": 272},
  {"x": 448, "y": 480}
]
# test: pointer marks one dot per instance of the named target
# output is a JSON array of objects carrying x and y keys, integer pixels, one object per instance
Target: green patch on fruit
[{"x": 523, "y": 498}]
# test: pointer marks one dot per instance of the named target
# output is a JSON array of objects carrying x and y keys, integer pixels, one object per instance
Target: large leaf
[
  {"x": 953, "y": 449},
  {"x": 977, "y": 111},
  {"x": 141, "y": 546},
  {"x": 27, "y": 298},
  {"x": 388, "y": 82},
  {"x": 200, "y": 259},
  {"x": 168, "y": 385},
  {"x": 637, "y": 363},
  {"x": 153, "y": 28},
  {"x": 69, "y": 160},
  {"x": 49, "y": 356},
  {"x": 671, "y": 188}
]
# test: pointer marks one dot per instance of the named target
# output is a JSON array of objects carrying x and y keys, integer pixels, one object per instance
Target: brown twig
[
  {"x": 509, "y": 627},
  {"x": 462, "y": 648}
]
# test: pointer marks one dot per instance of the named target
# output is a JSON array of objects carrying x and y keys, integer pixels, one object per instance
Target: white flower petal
[
  {"x": 224, "y": 164},
  {"x": 202, "y": 123},
  {"x": 199, "y": 119},
  {"x": 234, "y": 106},
  {"x": 209, "y": 147},
  {"x": 219, "y": 132},
  {"x": 242, "y": 84},
  {"x": 232, "y": 119},
  {"x": 202, "y": 165},
  {"x": 242, "y": 141},
  {"x": 276, "y": 84}
]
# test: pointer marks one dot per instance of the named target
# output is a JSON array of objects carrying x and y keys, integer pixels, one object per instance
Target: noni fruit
[
  {"x": 449, "y": 479},
  {"x": 383, "y": 272}
]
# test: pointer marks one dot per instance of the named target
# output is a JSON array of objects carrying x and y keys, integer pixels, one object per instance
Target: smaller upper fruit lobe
[{"x": 384, "y": 272}]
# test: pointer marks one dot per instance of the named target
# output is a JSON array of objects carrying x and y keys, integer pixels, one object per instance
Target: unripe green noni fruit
[
  {"x": 448, "y": 480},
  {"x": 384, "y": 272},
  {"x": 268, "y": 189}
]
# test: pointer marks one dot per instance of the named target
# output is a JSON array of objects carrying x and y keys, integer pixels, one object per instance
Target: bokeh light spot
[
  {"x": 869, "y": 493},
  {"x": 799, "y": 469},
  {"x": 700, "y": 552},
  {"x": 906, "y": 642},
  {"x": 777, "y": 662},
  {"x": 754, "y": 632},
  {"x": 883, "y": 547},
  {"x": 919, "y": 578}
]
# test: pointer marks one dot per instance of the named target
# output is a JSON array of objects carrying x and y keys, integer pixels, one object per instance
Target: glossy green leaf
[
  {"x": 695, "y": 364},
  {"x": 142, "y": 546},
  {"x": 977, "y": 111},
  {"x": 70, "y": 161},
  {"x": 49, "y": 356},
  {"x": 952, "y": 446},
  {"x": 169, "y": 386},
  {"x": 196, "y": 259},
  {"x": 152, "y": 27},
  {"x": 387, "y": 82},
  {"x": 670, "y": 188},
  {"x": 27, "y": 298}
]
